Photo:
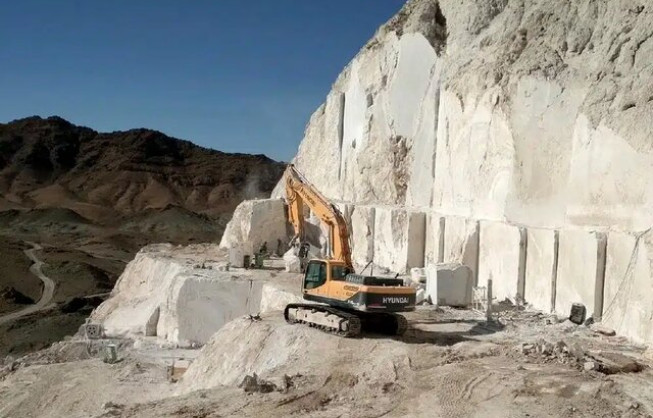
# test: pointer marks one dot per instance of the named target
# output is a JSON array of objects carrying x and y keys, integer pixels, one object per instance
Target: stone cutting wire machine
[{"x": 348, "y": 302}]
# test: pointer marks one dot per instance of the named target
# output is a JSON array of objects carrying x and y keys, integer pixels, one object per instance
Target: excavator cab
[
  {"x": 347, "y": 301},
  {"x": 318, "y": 272}
]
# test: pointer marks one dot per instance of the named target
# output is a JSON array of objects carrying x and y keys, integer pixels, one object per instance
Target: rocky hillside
[
  {"x": 47, "y": 163},
  {"x": 92, "y": 200}
]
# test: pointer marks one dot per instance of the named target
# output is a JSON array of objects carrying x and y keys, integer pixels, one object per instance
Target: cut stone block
[
  {"x": 198, "y": 305},
  {"x": 449, "y": 284},
  {"x": 255, "y": 222},
  {"x": 502, "y": 258},
  {"x": 434, "y": 241},
  {"x": 461, "y": 243},
  {"x": 581, "y": 268},
  {"x": 399, "y": 239},
  {"x": 628, "y": 296},
  {"x": 362, "y": 235},
  {"x": 137, "y": 295},
  {"x": 167, "y": 297},
  {"x": 541, "y": 266}
]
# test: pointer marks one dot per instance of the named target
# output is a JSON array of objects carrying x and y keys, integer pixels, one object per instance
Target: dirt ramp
[
  {"x": 244, "y": 347},
  {"x": 271, "y": 348}
]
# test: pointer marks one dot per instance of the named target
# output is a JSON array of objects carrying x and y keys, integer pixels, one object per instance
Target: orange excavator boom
[{"x": 300, "y": 192}]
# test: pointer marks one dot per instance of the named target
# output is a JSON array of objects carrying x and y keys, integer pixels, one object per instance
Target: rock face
[
  {"x": 399, "y": 239},
  {"x": 507, "y": 271},
  {"x": 176, "y": 295},
  {"x": 541, "y": 268},
  {"x": 581, "y": 265},
  {"x": 499, "y": 111},
  {"x": 628, "y": 292},
  {"x": 257, "y": 222},
  {"x": 528, "y": 116},
  {"x": 138, "y": 294}
]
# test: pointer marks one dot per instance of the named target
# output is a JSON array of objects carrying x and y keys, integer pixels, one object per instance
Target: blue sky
[{"x": 234, "y": 75}]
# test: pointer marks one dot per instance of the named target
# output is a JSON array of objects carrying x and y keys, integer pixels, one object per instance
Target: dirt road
[{"x": 48, "y": 288}]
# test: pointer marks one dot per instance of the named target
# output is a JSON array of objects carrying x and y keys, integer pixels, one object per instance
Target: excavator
[{"x": 347, "y": 303}]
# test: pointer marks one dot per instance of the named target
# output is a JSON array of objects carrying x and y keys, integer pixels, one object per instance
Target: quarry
[{"x": 497, "y": 157}]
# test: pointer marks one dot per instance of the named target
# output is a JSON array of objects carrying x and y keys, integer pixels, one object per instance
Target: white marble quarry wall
[
  {"x": 541, "y": 268},
  {"x": 480, "y": 116},
  {"x": 255, "y": 222},
  {"x": 378, "y": 122},
  {"x": 362, "y": 235},
  {"x": 581, "y": 267},
  {"x": 461, "y": 242},
  {"x": 628, "y": 292},
  {"x": 458, "y": 115},
  {"x": 398, "y": 239},
  {"x": 502, "y": 259},
  {"x": 434, "y": 240}
]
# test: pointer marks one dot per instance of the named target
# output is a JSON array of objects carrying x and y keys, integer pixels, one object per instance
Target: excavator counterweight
[{"x": 347, "y": 303}]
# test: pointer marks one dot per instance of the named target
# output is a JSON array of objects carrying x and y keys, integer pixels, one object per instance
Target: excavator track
[
  {"x": 326, "y": 318},
  {"x": 385, "y": 323},
  {"x": 345, "y": 323}
]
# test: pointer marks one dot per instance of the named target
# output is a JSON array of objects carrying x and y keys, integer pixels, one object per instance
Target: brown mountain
[
  {"x": 52, "y": 163},
  {"x": 92, "y": 200}
]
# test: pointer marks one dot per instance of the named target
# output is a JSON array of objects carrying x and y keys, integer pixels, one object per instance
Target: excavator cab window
[
  {"x": 315, "y": 274},
  {"x": 339, "y": 272}
]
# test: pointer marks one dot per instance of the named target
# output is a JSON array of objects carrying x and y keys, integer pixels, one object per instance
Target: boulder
[
  {"x": 603, "y": 330},
  {"x": 420, "y": 296},
  {"x": 237, "y": 256}
]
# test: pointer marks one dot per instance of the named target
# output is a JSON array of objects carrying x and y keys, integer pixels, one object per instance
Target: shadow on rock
[{"x": 446, "y": 337}]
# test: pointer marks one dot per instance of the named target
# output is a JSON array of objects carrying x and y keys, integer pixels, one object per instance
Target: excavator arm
[{"x": 300, "y": 192}]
